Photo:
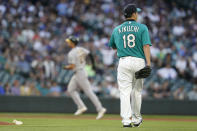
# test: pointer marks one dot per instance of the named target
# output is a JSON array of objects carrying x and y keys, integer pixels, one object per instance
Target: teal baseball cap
[
  {"x": 130, "y": 9},
  {"x": 139, "y": 10}
]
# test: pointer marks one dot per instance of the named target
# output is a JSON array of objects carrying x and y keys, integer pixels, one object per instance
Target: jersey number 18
[{"x": 127, "y": 41}]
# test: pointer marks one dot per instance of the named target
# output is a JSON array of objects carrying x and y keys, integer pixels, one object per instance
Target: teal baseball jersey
[{"x": 129, "y": 39}]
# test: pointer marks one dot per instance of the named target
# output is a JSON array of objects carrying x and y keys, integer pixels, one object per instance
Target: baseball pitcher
[
  {"x": 76, "y": 60},
  {"x": 132, "y": 41}
]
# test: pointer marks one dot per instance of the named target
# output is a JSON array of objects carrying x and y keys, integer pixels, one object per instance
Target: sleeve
[
  {"x": 146, "y": 37},
  {"x": 112, "y": 41}
]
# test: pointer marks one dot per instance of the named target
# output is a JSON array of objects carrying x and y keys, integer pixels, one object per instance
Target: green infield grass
[{"x": 87, "y": 122}]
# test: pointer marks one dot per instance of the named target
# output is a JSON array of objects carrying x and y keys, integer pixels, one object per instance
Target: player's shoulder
[
  {"x": 116, "y": 28},
  {"x": 142, "y": 26},
  {"x": 80, "y": 48},
  {"x": 74, "y": 50}
]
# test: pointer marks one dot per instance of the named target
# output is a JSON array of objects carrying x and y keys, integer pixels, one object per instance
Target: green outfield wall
[{"x": 66, "y": 105}]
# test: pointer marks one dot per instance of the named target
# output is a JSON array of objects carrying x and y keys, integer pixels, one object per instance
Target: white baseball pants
[{"x": 130, "y": 88}]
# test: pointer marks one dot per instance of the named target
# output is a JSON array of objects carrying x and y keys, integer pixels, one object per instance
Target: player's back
[{"x": 129, "y": 38}]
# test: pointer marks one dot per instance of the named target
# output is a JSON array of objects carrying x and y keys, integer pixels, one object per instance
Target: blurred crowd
[{"x": 32, "y": 34}]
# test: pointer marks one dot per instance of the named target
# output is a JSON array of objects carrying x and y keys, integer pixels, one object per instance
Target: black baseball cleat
[
  {"x": 127, "y": 126},
  {"x": 138, "y": 124}
]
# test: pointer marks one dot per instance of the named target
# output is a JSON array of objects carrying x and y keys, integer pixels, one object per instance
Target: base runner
[
  {"x": 132, "y": 41},
  {"x": 76, "y": 60}
]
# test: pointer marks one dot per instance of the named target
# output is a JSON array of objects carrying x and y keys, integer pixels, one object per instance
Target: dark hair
[{"x": 129, "y": 10}]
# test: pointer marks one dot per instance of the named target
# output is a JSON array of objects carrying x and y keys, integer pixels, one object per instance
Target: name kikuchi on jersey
[{"x": 129, "y": 39}]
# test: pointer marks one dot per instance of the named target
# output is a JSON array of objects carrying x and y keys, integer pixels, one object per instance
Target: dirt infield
[
  {"x": 6, "y": 123},
  {"x": 92, "y": 117}
]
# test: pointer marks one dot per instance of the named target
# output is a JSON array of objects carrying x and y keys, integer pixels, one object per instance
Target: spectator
[
  {"x": 2, "y": 8},
  {"x": 62, "y": 8},
  {"x": 23, "y": 66},
  {"x": 160, "y": 91},
  {"x": 192, "y": 70},
  {"x": 154, "y": 17},
  {"x": 179, "y": 93},
  {"x": 155, "y": 90},
  {"x": 154, "y": 52},
  {"x": 27, "y": 33},
  {"x": 11, "y": 64},
  {"x": 167, "y": 72},
  {"x": 49, "y": 68},
  {"x": 25, "y": 89},
  {"x": 195, "y": 56},
  {"x": 107, "y": 56},
  {"x": 165, "y": 90},
  {"x": 192, "y": 95},
  {"x": 178, "y": 29},
  {"x": 54, "y": 90},
  {"x": 181, "y": 64},
  {"x": 15, "y": 89},
  {"x": 115, "y": 93},
  {"x": 7, "y": 89},
  {"x": 2, "y": 91},
  {"x": 34, "y": 90}
]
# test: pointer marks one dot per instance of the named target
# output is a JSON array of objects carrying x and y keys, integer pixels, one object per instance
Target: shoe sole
[
  {"x": 137, "y": 125},
  {"x": 127, "y": 126}
]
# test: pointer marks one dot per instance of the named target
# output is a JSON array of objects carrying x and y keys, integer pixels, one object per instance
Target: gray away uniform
[{"x": 77, "y": 57}]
